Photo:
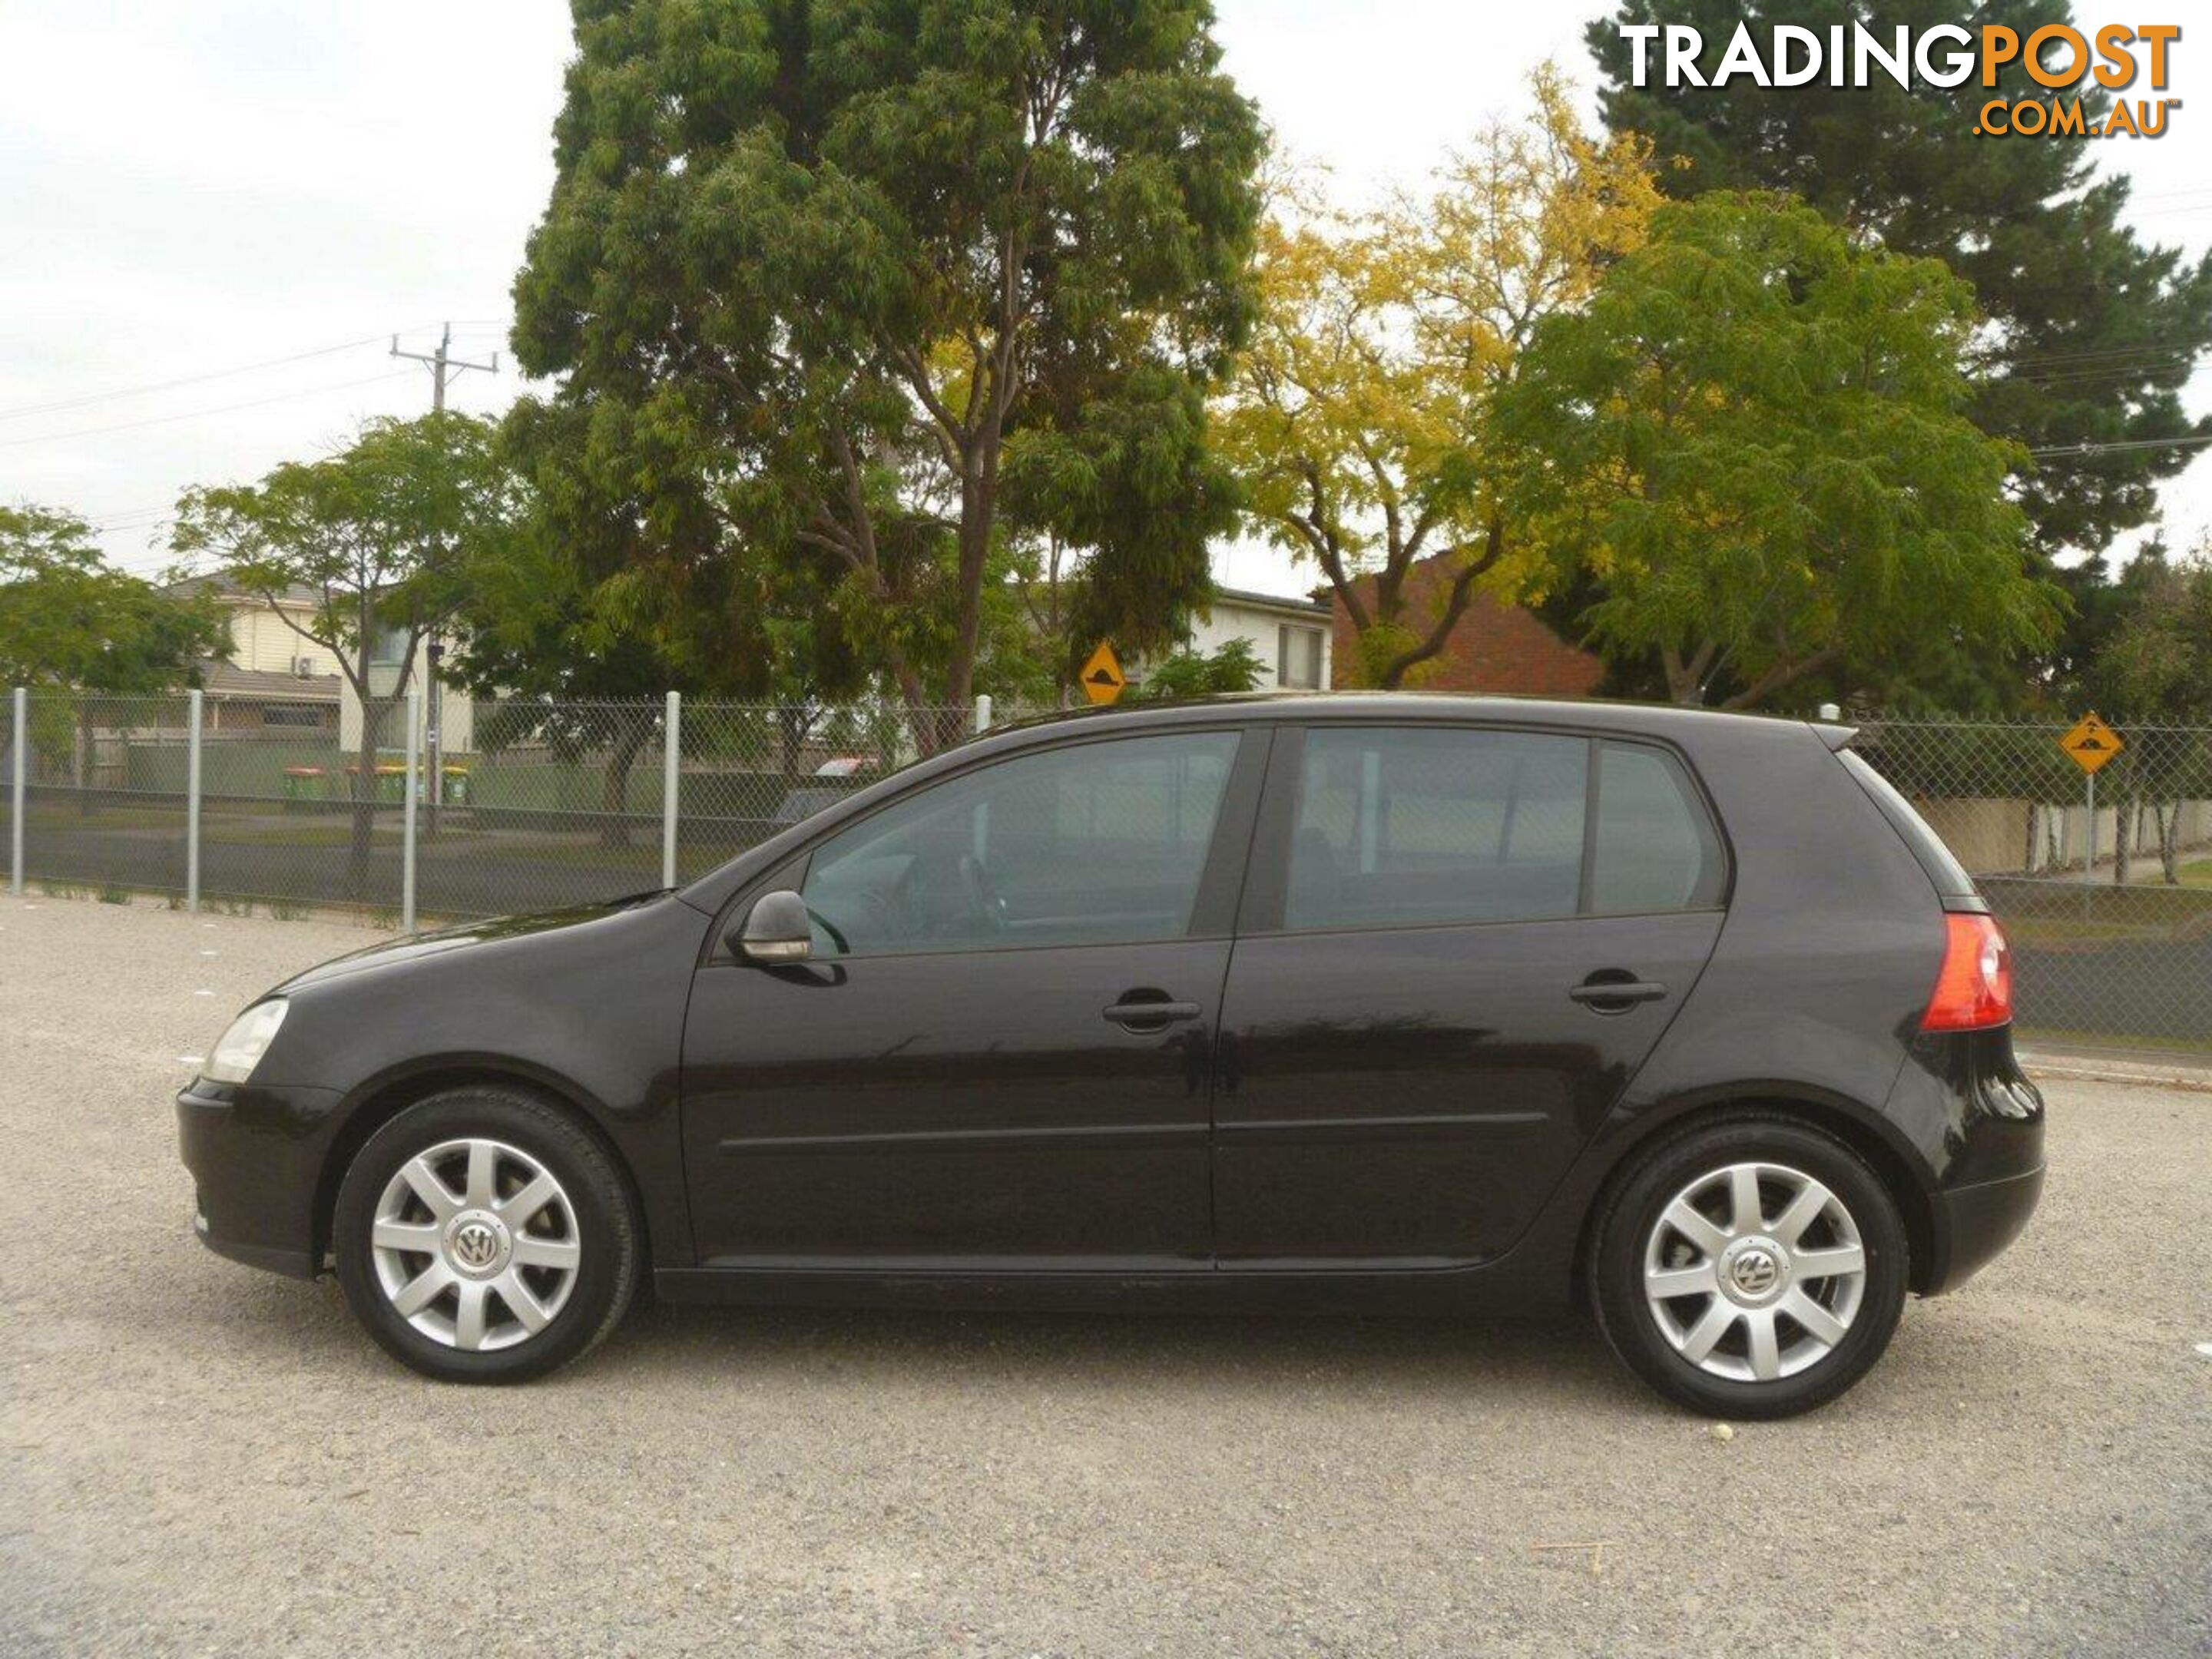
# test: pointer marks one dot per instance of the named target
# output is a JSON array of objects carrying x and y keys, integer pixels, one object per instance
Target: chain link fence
[
  {"x": 2103, "y": 881},
  {"x": 2105, "y": 889},
  {"x": 99, "y": 800},
  {"x": 529, "y": 804}
]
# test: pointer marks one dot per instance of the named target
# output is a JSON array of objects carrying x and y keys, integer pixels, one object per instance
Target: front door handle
[
  {"x": 1139, "y": 1015},
  {"x": 1606, "y": 995}
]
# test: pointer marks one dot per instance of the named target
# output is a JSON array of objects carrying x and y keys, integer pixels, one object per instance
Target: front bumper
[{"x": 256, "y": 1156}]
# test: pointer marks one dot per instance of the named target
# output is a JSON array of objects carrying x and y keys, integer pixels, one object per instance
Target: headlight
[{"x": 245, "y": 1042}]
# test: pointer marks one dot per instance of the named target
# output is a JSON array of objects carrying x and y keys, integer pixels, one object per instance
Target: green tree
[
  {"x": 380, "y": 539},
  {"x": 2157, "y": 677},
  {"x": 68, "y": 620},
  {"x": 2091, "y": 334},
  {"x": 1753, "y": 436},
  {"x": 579, "y": 633},
  {"x": 812, "y": 269},
  {"x": 1361, "y": 419},
  {"x": 1134, "y": 472}
]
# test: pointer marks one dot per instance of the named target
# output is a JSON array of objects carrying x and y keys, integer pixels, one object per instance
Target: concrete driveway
[{"x": 197, "y": 1459}]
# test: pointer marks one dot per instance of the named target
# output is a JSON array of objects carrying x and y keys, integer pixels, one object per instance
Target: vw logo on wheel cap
[
  {"x": 475, "y": 1245},
  {"x": 478, "y": 1244},
  {"x": 1755, "y": 1273}
]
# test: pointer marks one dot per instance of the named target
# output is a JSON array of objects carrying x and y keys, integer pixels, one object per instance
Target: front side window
[
  {"x": 1095, "y": 844},
  {"x": 1402, "y": 827}
]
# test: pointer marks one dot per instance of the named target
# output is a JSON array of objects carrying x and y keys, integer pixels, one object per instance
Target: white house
[
  {"x": 274, "y": 676},
  {"x": 1290, "y": 636}
]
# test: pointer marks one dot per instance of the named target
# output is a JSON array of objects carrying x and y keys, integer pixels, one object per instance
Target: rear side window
[
  {"x": 1404, "y": 827},
  {"x": 1948, "y": 875},
  {"x": 1654, "y": 848},
  {"x": 1411, "y": 827}
]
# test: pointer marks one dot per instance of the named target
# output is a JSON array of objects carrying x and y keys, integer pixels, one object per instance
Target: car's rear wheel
[
  {"x": 482, "y": 1237},
  {"x": 1752, "y": 1268}
]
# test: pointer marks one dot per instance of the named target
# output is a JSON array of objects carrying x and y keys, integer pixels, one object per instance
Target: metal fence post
[
  {"x": 18, "y": 751},
  {"x": 194, "y": 702},
  {"x": 2089, "y": 864},
  {"x": 983, "y": 713},
  {"x": 671, "y": 774},
  {"x": 407, "y": 813}
]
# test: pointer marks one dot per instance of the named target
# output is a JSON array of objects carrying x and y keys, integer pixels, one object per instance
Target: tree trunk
[
  {"x": 364, "y": 776},
  {"x": 614, "y": 788},
  {"x": 365, "y": 787},
  {"x": 2169, "y": 839},
  {"x": 86, "y": 755},
  {"x": 791, "y": 723},
  {"x": 2123, "y": 818}
]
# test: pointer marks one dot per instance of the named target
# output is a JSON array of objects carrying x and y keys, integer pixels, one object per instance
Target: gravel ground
[{"x": 195, "y": 1458}]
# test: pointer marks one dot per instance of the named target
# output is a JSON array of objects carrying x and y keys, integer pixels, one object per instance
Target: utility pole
[{"x": 444, "y": 367}]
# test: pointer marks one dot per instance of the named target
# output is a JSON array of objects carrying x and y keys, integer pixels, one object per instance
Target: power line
[
  {"x": 101, "y": 520},
  {"x": 201, "y": 414},
  {"x": 89, "y": 399},
  {"x": 2120, "y": 445},
  {"x": 2148, "y": 348},
  {"x": 189, "y": 380}
]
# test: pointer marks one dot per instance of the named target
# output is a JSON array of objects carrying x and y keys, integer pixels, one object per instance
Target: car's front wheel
[
  {"x": 482, "y": 1237},
  {"x": 1752, "y": 1268}
]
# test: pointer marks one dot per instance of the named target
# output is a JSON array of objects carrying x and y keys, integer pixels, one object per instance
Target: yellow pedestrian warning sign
[
  {"x": 2091, "y": 743},
  {"x": 1103, "y": 678}
]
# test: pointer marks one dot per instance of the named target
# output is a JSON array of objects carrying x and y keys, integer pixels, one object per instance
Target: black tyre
[
  {"x": 1751, "y": 1267},
  {"x": 482, "y": 1237}
]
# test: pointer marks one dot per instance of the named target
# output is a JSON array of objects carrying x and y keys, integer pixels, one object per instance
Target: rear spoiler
[{"x": 1837, "y": 737}]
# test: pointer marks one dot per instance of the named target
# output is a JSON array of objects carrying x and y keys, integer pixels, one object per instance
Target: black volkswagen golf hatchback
[{"x": 1416, "y": 1005}]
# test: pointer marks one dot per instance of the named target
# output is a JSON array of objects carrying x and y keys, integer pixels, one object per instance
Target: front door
[
  {"x": 1459, "y": 944},
  {"x": 1001, "y": 1052}
]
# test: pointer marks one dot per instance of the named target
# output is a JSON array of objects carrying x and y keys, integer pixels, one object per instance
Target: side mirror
[{"x": 776, "y": 930}]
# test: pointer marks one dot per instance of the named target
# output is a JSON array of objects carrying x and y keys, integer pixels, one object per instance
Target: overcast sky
[{"x": 195, "y": 187}]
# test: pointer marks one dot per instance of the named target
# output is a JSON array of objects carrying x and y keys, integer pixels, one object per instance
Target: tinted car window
[
  {"x": 1945, "y": 870},
  {"x": 1656, "y": 849},
  {"x": 1098, "y": 843},
  {"x": 1403, "y": 826}
]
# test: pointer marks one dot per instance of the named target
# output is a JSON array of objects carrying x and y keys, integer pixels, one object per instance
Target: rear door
[{"x": 1458, "y": 944}]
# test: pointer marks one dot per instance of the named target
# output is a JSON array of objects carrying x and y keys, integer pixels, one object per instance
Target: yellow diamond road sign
[
  {"x": 2091, "y": 743},
  {"x": 1101, "y": 677}
]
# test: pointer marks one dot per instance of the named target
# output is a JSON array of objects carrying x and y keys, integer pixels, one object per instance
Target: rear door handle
[
  {"x": 1616, "y": 996},
  {"x": 1151, "y": 1016}
]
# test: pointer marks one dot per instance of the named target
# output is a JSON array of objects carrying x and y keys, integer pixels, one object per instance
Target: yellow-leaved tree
[{"x": 1360, "y": 422}]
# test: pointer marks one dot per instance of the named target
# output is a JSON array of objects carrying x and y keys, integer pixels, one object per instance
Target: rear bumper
[
  {"x": 1977, "y": 1221},
  {"x": 1979, "y": 1120}
]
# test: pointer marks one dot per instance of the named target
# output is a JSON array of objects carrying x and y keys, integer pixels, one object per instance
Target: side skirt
[{"x": 1490, "y": 1289}]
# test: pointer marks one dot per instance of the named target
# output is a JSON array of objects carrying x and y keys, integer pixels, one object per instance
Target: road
[{"x": 195, "y": 1458}]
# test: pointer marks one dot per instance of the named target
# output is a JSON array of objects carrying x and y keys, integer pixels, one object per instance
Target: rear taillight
[{"x": 1974, "y": 990}]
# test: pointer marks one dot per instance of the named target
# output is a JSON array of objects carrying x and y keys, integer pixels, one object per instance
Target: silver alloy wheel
[
  {"x": 476, "y": 1245},
  {"x": 1754, "y": 1272}
]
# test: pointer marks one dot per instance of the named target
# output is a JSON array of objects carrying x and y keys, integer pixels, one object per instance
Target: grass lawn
[{"x": 66, "y": 817}]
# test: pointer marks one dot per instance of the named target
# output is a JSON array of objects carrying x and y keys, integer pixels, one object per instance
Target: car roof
[{"x": 1577, "y": 714}]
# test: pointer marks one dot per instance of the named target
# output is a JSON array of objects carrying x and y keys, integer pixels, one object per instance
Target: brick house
[{"x": 1496, "y": 646}]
